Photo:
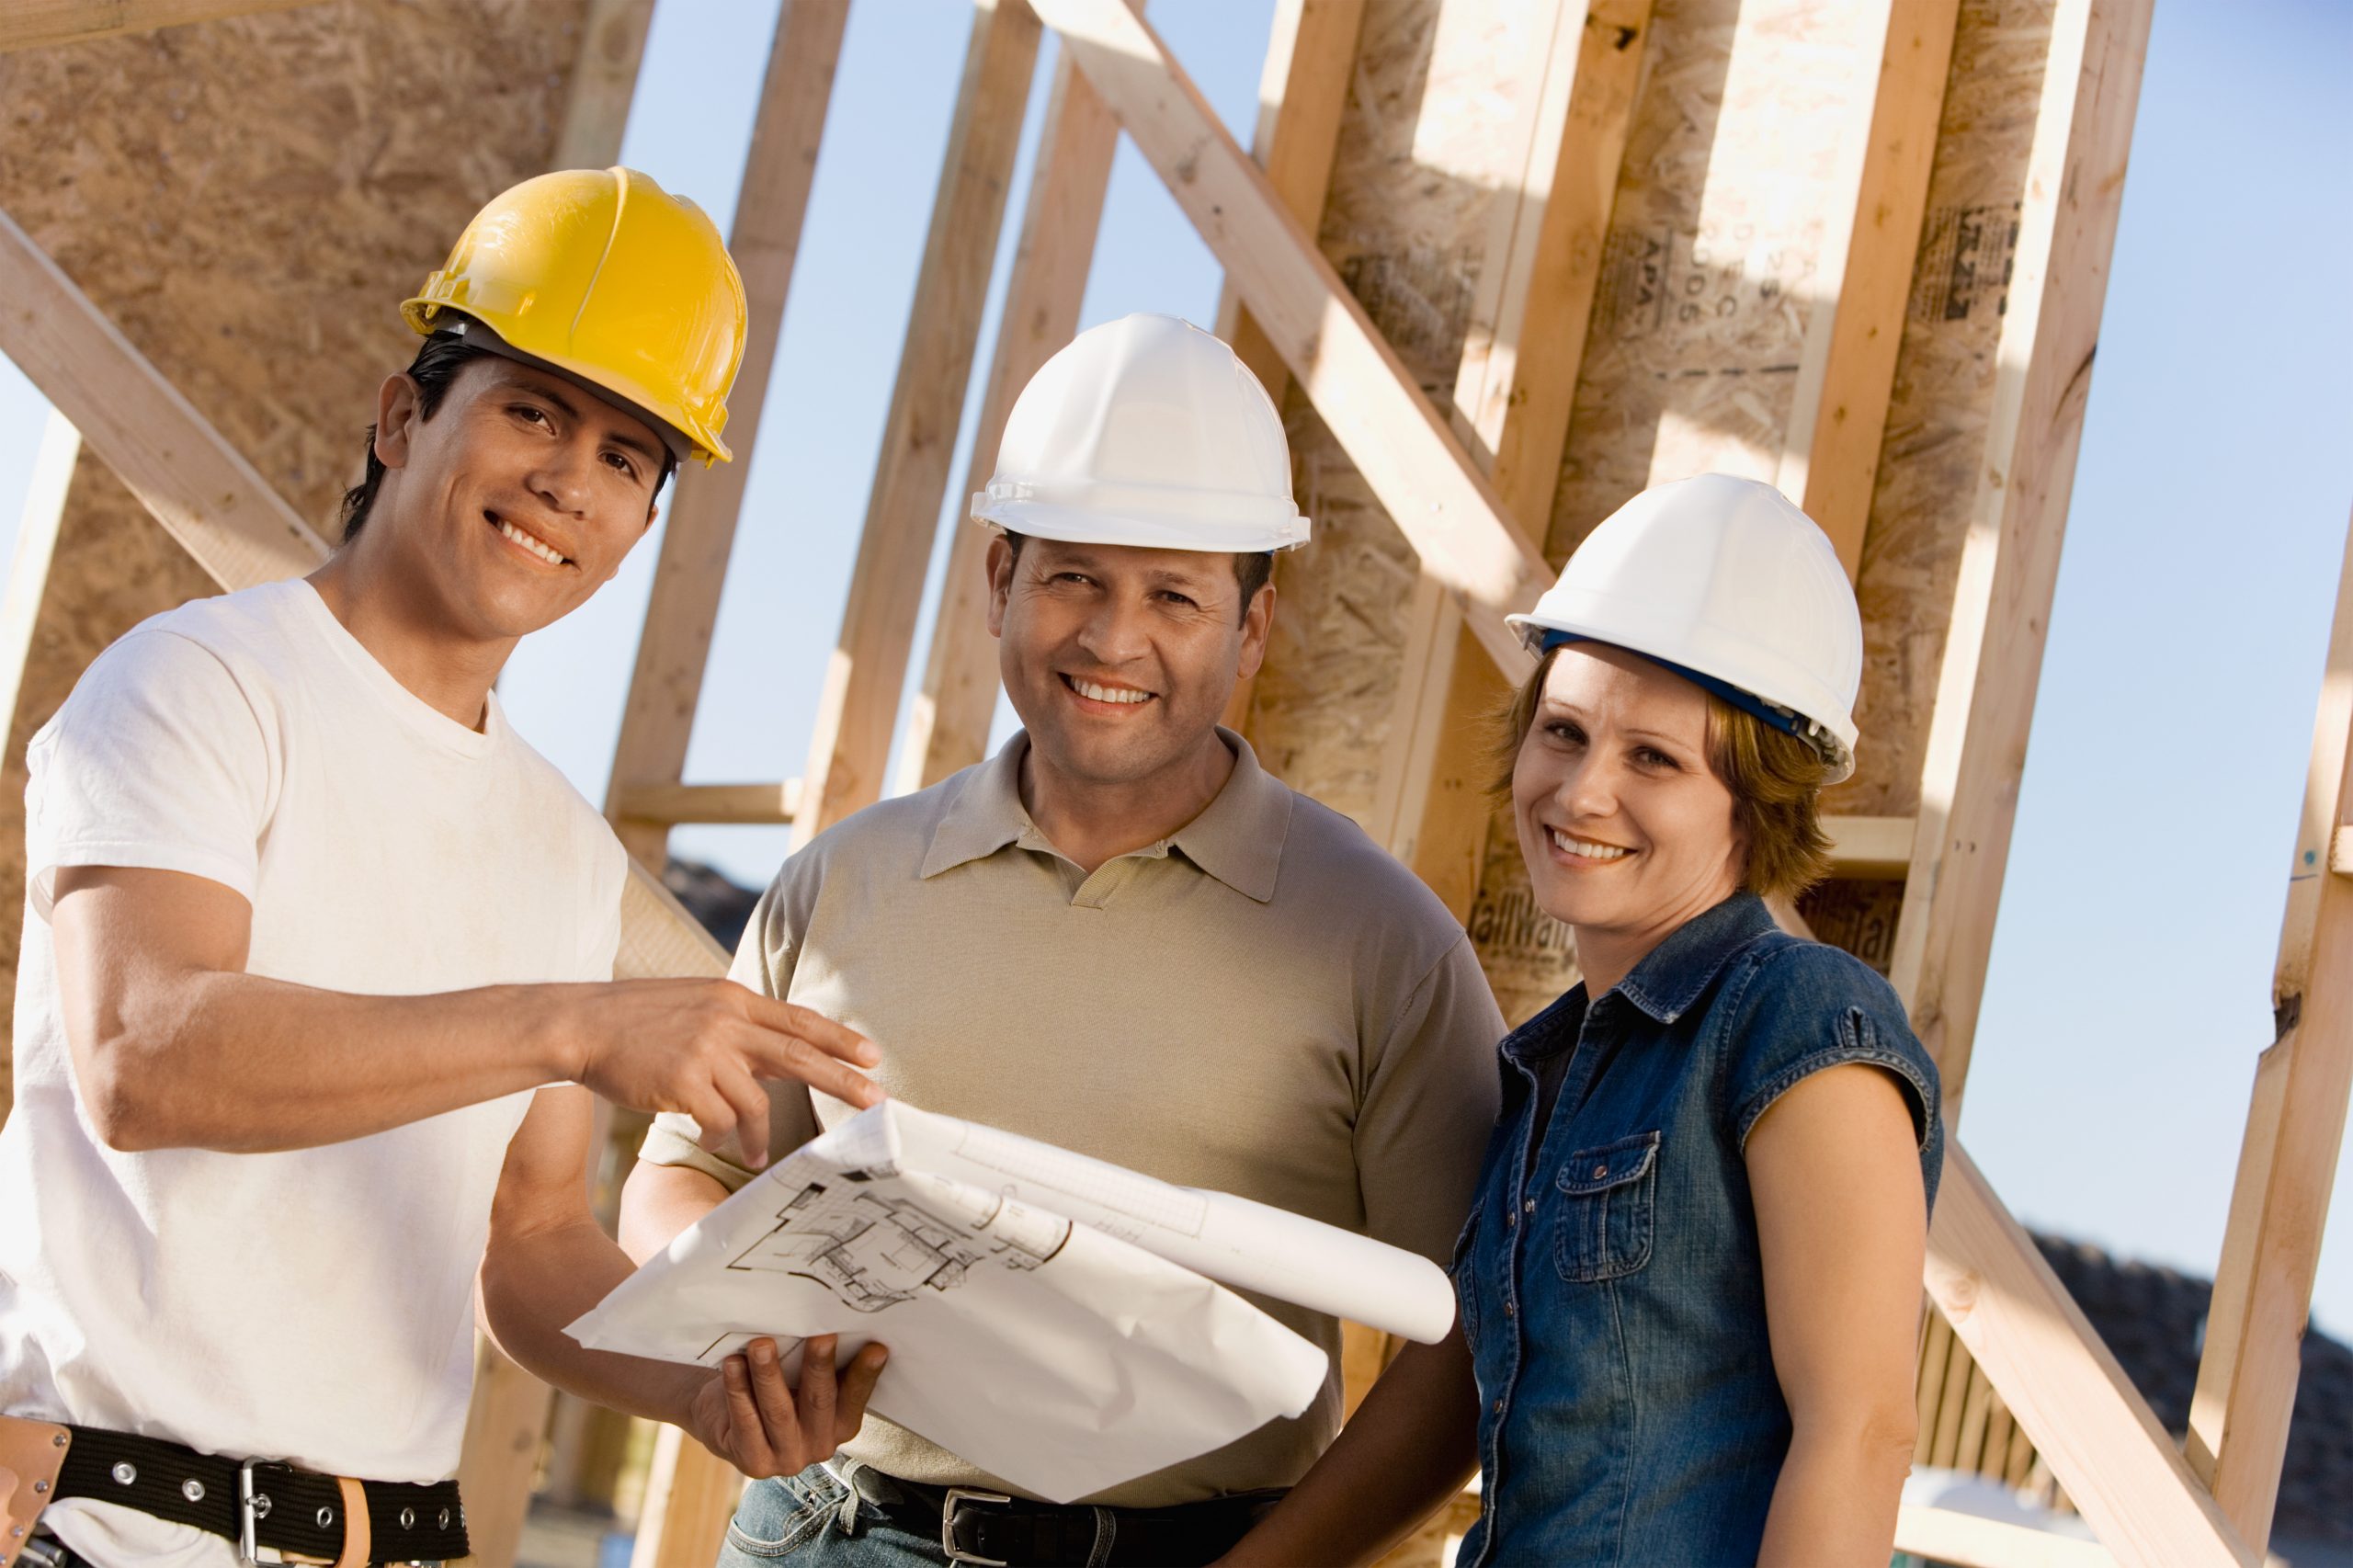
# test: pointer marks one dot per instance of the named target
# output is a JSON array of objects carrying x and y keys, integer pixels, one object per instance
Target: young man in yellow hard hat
[
  {"x": 317, "y": 975},
  {"x": 1121, "y": 934}
]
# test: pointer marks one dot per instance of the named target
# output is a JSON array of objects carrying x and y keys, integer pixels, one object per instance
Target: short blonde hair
[{"x": 1775, "y": 780}]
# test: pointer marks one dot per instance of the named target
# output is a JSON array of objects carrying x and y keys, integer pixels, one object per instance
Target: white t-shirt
[{"x": 314, "y": 1305}]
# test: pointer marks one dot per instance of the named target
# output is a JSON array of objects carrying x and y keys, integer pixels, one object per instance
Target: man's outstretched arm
[{"x": 176, "y": 1046}]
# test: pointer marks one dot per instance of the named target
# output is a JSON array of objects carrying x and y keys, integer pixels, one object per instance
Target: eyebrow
[
  {"x": 1555, "y": 705},
  {"x": 618, "y": 436}
]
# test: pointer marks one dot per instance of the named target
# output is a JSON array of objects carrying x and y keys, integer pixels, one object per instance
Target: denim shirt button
[
  {"x": 1529, "y": 1206},
  {"x": 1511, "y": 1217},
  {"x": 1499, "y": 1407}
]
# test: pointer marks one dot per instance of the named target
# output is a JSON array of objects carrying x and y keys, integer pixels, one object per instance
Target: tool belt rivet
[
  {"x": 40, "y": 1486},
  {"x": 327, "y": 1517},
  {"x": 125, "y": 1472},
  {"x": 445, "y": 1518},
  {"x": 408, "y": 1518},
  {"x": 261, "y": 1505},
  {"x": 58, "y": 1441},
  {"x": 192, "y": 1489}
]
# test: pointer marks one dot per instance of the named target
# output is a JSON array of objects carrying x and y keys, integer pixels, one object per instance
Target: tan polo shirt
[{"x": 1264, "y": 1003}]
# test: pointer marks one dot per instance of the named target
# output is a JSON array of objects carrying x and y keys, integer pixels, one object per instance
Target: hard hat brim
[
  {"x": 1138, "y": 529},
  {"x": 428, "y": 316}
]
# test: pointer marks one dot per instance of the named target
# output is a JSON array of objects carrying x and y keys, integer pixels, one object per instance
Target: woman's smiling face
[{"x": 1626, "y": 830}]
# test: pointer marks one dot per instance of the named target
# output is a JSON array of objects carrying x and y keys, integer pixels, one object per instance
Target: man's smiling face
[
  {"x": 1120, "y": 660},
  {"x": 518, "y": 498}
]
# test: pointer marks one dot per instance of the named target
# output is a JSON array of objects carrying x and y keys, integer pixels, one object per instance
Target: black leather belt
[
  {"x": 993, "y": 1531},
  {"x": 274, "y": 1512}
]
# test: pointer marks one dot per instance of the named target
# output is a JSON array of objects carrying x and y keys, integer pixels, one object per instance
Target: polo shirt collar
[
  {"x": 1237, "y": 838},
  {"x": 1672, "y": 975}
]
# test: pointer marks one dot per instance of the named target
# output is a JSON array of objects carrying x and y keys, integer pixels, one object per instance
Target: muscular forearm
[
  {"x": 1836, "y": 1501},
  {"x": 244, "y": 1063},
  {"x": 534, "y": 1284},
  {"x": 1409, "y": 1447}
]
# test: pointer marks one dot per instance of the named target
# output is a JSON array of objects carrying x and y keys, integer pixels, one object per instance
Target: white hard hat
[
  {"x": 1145, "y": 431},
  {"x": 1727, "y": 584}
]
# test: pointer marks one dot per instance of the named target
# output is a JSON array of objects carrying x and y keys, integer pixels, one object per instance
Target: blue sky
[{"x": 2130, "y": 989}]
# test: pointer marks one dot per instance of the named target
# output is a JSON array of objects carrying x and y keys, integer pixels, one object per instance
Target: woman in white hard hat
[{"x": 1690, "y": 1282}]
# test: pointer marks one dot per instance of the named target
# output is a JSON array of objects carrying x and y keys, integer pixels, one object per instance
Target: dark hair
[
  {"x": 434, "y": 368},
  {"x": 1775, "y": 780},
  {"x": 1251, "y": 569}
]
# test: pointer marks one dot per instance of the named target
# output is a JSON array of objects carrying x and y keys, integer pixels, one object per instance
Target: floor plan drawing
[{"x": 874, "y": 1252}]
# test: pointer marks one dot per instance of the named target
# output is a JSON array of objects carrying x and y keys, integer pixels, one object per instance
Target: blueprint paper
[
  {"x": 1251, "y": 1246},
  {"x": 1061, "y": 1358}
]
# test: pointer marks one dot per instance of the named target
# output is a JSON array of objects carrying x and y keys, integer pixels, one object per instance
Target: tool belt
[
  {"x": 275, "y": 1512},
  {"x": 992, "y": 1530}
]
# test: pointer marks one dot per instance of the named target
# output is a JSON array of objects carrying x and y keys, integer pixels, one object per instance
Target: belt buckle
[
  {"x": 947, "y": 1525},
  {"x": 251, "y": 1508}
]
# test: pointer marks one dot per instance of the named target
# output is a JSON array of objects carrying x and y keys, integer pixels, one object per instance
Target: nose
[
  {"x": 1115, "y": 632},
  {"x": 561, "y": 476},
  {"x": 1588, "y": 790}
]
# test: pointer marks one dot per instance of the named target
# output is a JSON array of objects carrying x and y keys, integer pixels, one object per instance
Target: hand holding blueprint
[{"x": 1066, "y": 1357}]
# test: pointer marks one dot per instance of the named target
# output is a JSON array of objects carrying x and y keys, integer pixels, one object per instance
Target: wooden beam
[
  {"x": 689, "y": 1497},
  {"x": 2064, "y": 1387},
  {"x": 1302, "y": 96},
  {"x": 1992, "y": 658},
  {"x": 1397, "y": 440},
  {"x": 1302, "y": 93},
  {"x": 1847, "y": 375},
  {"x": 2245, "y": 1400},
  {"x": 756, "y": 804},
  {"x": 34, "y": 24},
  {"x": 1869, "y": 848},
  {"x": 604, "y": 82},
  {"x": 657, "y": 717},
  {"x": 1513, "y": 394},
  {"x": 858, "y": 707},
  {"x": 504, "y": 1423},
  {"x": 1969, "y": 1540},
  {"x": 201, "y": 489},
  {"x": 949, "y": 727}
]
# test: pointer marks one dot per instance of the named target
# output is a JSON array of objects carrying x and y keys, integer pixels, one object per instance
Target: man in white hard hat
[
  {"x": 1122, "y": 936},
  {"x": 317, "y": 972}
]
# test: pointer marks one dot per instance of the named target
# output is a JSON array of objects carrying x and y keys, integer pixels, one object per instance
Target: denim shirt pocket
[{"x": 1606, "y": 1195}]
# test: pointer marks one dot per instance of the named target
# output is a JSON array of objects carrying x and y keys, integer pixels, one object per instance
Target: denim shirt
[{"x": 1610, "y": 1285}]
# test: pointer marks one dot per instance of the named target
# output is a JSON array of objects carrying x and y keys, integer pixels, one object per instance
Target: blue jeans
[{"x": 805, "y": 1519}]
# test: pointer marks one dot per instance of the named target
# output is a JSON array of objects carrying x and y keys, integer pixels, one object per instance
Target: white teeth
[
  {"x": 1109, "y": 693},
  {"x": 535, "y": 546},
  {"x": 1586, "y": 849}
]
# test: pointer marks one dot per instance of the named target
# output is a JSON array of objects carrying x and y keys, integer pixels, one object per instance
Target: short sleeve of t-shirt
[
  {"x": 1428, "y": 1107},
  {"x": 157, "y": 761},
  {"x": 1814, "y": 1007}
]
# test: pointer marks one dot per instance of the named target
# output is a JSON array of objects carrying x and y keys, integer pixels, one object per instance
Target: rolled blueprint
[{"x": 1251, "y": 1246}]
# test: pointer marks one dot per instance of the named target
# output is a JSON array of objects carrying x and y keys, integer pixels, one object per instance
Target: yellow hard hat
[{"x": 604, "y": 276}]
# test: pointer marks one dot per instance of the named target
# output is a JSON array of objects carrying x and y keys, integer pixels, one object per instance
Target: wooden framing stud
[
  {"x": 2245, "y": 1399},
  {"x": 666, "y": 684},
  {"x": 1992, "y": 659},
  {"x": 948, "y": 728},
  {"x": 604, "y": 81},
  {"x": 857, "y": 706},
  {"x": 1847, "y": 375}
]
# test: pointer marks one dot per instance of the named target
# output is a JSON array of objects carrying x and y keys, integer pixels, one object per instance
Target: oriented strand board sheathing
[
  {"x": 1428, "y": 140},
  {"x": 250, "y": 200},
  {"x": 1731, "y": 174}
]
